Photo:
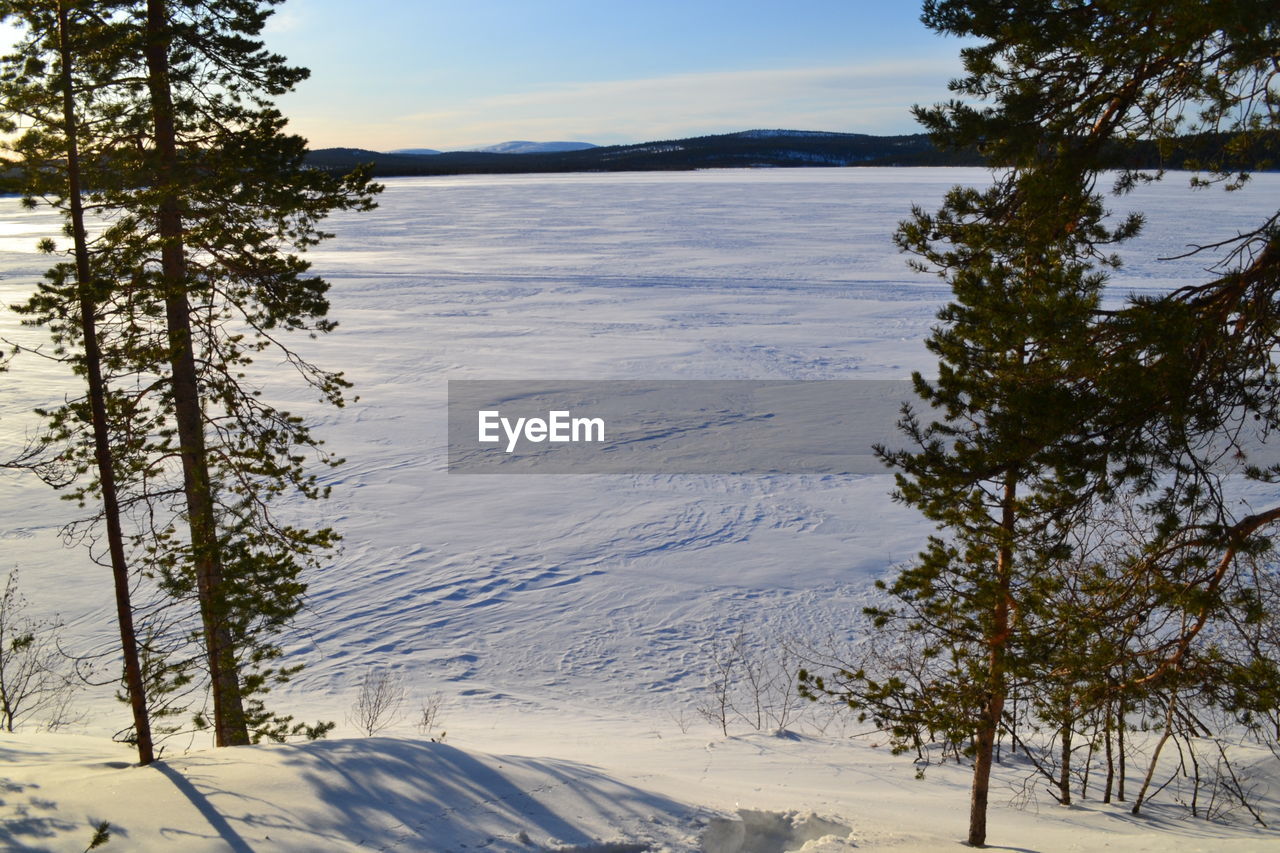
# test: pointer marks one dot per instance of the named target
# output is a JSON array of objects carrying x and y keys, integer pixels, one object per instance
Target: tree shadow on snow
[
  {"x": 216, "y": 821},
  {"x": 429, "y": 796},
  {"x": 30, "y": 822},
  {"x": 440, "y": 794}
]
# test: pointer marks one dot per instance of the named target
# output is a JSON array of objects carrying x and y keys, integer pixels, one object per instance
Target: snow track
[{"x": 554, "y": 589}]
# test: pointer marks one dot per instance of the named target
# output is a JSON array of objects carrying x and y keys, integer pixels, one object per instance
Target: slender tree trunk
[
  {"x": 98, "y": 408},
  {"x": 1013, "y": 726},
  {"x": 1155, "y": 757},
  {"x": 997, "y": 644},
  {"x": 984, "y": 743},
  {"x": 1195, "y": 787},
  {"x": 1120, "y": 761},
  {"x": 1064, "y": 772},
  {"x": 1088, "y": 758},
  {"x": 1111, "y": 764},
  {"x": 230, "y": 727}
]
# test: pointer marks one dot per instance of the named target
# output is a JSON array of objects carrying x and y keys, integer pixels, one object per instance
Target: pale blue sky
[{"x": 426, "y": 73}]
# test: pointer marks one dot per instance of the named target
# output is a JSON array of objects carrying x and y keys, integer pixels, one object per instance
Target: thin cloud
[
  {"x": 865, "y": 98},
  {"x": 285, "y": 20}
]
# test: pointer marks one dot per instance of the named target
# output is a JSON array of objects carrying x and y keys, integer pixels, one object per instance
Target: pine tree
[
  {"x": 1066, "y": 85},
  {"x": 1051, "y": 404},
  {"x": 1008, "y": 464},
  {"x": 207, "y": 203},
  {"x": 224, "y": 197},
  {"x": 57, "y": 40}
]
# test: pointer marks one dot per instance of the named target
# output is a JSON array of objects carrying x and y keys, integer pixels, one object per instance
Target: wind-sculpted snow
[
  {"x": 341, "y": 795},
  {"x": 556, "y": 588},
  {"x": 576, "y": 616}
]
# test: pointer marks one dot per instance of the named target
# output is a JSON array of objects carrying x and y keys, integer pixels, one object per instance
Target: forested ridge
[{"x": 767, "y": 148}]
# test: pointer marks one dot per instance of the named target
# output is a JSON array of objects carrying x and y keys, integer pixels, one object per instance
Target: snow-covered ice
[{"x": 570, "y": 616}]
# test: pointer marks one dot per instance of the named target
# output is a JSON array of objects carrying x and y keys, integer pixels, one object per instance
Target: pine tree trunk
[
  {"x": 1064, "y": 772},
  {"x": 230, "y": 727},
  {"x": 1013, "y": 725},
  {"x": 1111, "y": 764},
  {"x": 98, "y": 408},
  {"x": 984, "y": 744},
  {"x": 1155, "y": 756},
  {"x": 997, "y": 644},
  {"x": 1088, "y": 763},
  {"x": 1121, "y": 769}
]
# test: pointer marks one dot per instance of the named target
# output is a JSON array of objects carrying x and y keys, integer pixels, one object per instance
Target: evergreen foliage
[
  {"x": 205, "y": 204},
  {"x": 41, "y": 83},
  {"x": 1090, "y": 561}
]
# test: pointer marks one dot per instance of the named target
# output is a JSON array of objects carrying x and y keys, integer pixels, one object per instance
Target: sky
[{"x": 390, "y": 74}]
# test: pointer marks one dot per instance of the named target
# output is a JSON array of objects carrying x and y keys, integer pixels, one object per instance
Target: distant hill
[
  {"x": 770, "y": 148},
  {"x": 752, "y": 148},
  {"x": 414, "y": 151}
]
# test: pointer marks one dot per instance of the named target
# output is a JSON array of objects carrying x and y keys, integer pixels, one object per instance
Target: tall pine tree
[
  {"x": 41, "y": 85},
  {"x": 206, "y": 204},
  {"x": 1051, "y": 406},
  {"x": 216, "y": 207},
  {"x": 1007, "y": 465}
]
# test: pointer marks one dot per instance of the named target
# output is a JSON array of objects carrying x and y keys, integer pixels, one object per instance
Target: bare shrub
[
  {"x": 717, "y": 708},
  {"x": 753, "y": 682},
  {"x": 377, "y": 704},
  {"x": 33, "y": 675},
  {"x": 429, "y": 717},
  {"x": 681, "y": 719}
]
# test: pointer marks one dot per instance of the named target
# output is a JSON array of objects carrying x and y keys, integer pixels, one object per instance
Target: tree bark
[
  {"x": 1111, "y": 764},
  {"x": 1064, "y": 772},
  {"x": 230, "y": 727},
  {"x": 1121, "y": 770},
  {"x": 1155, "y": 756},
  {"x": 997, "y": 645},
  {"x": 97, "y": 406}
]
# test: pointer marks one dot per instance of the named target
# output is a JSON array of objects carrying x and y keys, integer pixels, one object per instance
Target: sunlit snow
[{"x": 534, "y": 602}]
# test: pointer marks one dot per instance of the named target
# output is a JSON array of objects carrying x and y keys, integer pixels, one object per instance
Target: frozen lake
[{"x": 539, "y": 590}]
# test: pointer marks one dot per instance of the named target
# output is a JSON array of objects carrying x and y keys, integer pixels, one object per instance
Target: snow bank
[
  {"x": 376, "y": 793},
  {"x": 775, "y": 832}
]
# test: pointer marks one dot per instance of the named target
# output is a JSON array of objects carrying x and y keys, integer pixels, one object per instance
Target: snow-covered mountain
[
  {"x": 522, "y": 146},
  {"x": 515, "y": 146}
]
